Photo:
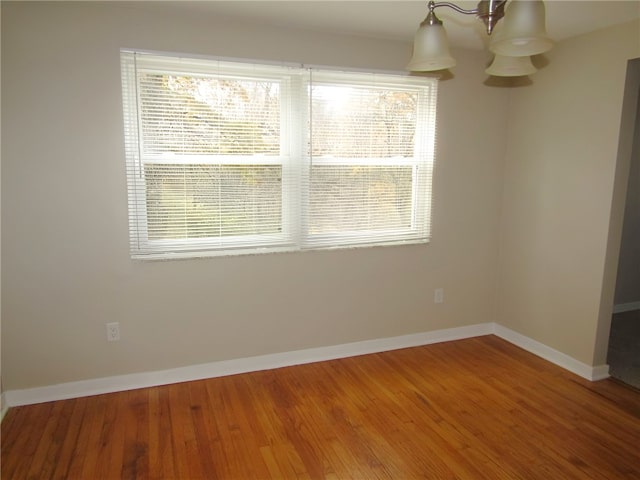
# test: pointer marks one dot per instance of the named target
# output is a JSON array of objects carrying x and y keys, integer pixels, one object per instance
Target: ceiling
[{"x": 399, "y": 19}]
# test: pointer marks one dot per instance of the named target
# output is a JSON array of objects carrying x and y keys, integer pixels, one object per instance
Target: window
[{"x": 226, "y": 157}]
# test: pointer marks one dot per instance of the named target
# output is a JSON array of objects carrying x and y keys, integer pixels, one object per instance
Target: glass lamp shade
[
  {"x": 523, "y": 31},
  {"x": 511, "y": 66},
  {"x": 430, "y": 50}
]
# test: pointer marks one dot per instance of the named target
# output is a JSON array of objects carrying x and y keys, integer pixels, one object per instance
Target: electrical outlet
[
  {"x": 113, "y": 332},
  {"x": 438, "y": 295}
]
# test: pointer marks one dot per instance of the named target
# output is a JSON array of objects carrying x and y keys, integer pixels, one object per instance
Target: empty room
[{"x": 320, "y": 239}]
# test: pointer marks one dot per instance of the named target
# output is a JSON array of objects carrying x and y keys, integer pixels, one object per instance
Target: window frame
[
  {"x": 296, "y": 83},
  {"x": 424, "y": 131}
]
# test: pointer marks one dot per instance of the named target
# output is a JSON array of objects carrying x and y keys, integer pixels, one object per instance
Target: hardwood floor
[{"x": 470, "y": 409}]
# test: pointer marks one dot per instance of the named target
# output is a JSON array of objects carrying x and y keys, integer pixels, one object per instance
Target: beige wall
[
  {"x": 556, "y": 276},
  {"x": 65, "y": 264}
]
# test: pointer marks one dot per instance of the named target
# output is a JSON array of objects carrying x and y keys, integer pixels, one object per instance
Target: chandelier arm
[{"x": 453, "y": 6}]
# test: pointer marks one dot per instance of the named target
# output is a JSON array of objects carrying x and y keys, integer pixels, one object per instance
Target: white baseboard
[
  {"x": 626, "y": 307},
  {"x": 230, "y": 367},
  {"x": 598, "y": 372},
  {"x": 133, "y": 381}
]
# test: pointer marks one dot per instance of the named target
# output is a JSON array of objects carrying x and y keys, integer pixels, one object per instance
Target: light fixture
[
  {"x": 503, "y": 66},
  {"x": 522, "y": 34},
  {"x": 431, "y": 48}
]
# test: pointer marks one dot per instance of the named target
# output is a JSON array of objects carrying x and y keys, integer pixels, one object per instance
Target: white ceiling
[{"x": 399, "y": 19}]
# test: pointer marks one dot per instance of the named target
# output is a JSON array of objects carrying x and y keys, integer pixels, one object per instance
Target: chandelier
[{"x": 522, "y": 34}]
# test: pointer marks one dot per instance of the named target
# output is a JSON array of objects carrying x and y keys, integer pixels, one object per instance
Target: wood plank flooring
[{"x": 472, "y": 409}]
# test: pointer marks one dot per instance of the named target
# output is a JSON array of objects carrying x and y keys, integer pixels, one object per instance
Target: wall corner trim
[
  {"x": 599, "y": 372},
  {"x": 98, "y": 386}
]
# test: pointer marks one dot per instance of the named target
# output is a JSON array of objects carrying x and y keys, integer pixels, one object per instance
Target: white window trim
[{"x": 295, "y": 174}]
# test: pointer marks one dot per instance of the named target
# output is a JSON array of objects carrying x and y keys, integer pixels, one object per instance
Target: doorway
[{"x": 623, "y": 355}]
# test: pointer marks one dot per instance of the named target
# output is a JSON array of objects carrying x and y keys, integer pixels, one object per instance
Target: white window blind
[
  {"x": 226, "y": 157},
  {"x": 371, "y": 159}
]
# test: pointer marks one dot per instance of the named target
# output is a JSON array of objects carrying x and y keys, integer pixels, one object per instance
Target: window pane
[
  {"x": 359, "y": 122},
  {"x": 195, "y": 201},
  {"x": 204, "y": 115},
  {"x": 356, "y": 198}
]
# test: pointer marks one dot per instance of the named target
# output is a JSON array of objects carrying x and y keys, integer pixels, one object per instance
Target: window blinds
[
  {"x": 225, "y": 157},
  {"x": 371, "y": 167}
]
